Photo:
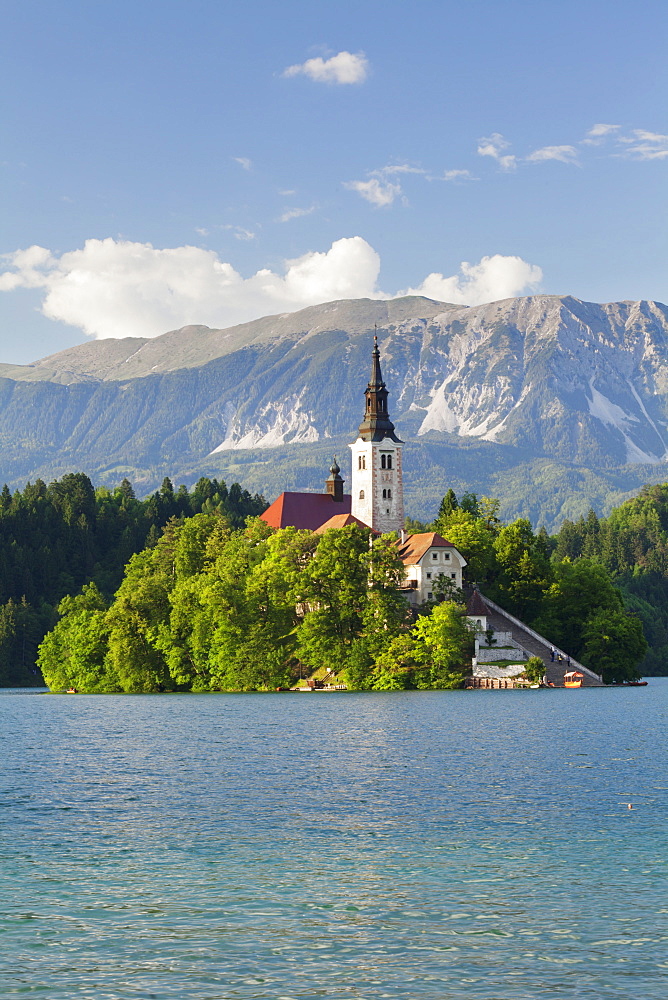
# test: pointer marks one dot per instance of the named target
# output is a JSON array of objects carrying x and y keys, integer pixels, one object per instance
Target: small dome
[{"x": 334, "y": 469}]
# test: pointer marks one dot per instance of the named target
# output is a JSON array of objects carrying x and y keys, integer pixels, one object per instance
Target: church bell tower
[{"x": 377, "y": 487}]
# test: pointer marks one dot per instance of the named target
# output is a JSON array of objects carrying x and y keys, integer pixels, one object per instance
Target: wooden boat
[{"x": 573, "y": 679}]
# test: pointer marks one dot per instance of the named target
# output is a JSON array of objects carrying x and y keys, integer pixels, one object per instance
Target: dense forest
[
  {"x": 188, "y": 590},
  {"x": 56, "y": 538},
  {"x": 210, "y": 607}
]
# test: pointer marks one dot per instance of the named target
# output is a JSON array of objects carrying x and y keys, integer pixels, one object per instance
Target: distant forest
[{"x": 55, "y": 539}]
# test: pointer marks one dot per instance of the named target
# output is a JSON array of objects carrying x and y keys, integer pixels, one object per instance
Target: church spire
[{"x": 376, "y": 424}]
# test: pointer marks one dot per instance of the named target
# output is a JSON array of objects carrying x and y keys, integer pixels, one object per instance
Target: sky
[{"x": 202, "y": 161}]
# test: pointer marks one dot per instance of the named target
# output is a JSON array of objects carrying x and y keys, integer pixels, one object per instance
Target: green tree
[{"x": 614, "y": 645}]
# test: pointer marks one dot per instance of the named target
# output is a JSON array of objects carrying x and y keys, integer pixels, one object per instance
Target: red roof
[
  {"x": 415, "y": 546},
  {"x": 476, "y": 605},
  {"x": 305, "y": 510},
  {"x": 341, "y": 521}
]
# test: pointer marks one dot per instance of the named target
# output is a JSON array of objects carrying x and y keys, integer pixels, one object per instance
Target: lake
[{"x": 467, "y": 844}]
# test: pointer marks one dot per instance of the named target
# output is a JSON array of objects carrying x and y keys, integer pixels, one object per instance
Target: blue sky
[{"x": 173, "y": 172}]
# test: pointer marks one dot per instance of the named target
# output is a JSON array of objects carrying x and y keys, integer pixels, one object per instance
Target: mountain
[{"x": 551, "y": 403}]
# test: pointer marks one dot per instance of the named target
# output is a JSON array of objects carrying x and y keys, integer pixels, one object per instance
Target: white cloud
[
  {"x": 564, "y": 154},
  {"x": 243, "y": 161},
  {"x": 643, "y": 145},
  {"x": 495, "y": 277},
  {"x": 458, "y": 175},
  {"x": 377, "y": 191},
  {"x": 597, "y": 133},
  {"x": 494, "y": 146},
  {"x": 238, "y": 232},
  {"x": 345, "y": 67},
  {"x": 295, "y": 213},
  {"x": 399, "y": 168},
  {"x": 113, "y": 288}
]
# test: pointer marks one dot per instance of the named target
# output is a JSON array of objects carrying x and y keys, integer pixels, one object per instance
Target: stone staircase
[{"x": 537, "y": 645}]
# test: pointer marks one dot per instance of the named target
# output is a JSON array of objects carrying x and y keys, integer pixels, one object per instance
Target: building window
[
  {"x": 361, "y": 494},
  {"x": 361, "y": 462},
  {"x": 446, "y": 556},
  {"x": 384, "y": 494},
  {"x": 389, "y": 461},
  {"x": 389, "y": 494},
  {"x": 387, "y": 510},
  {"x": 429, "y": 576},
  {"x": 434, "y": 556},
  {"x": 429, "y": 595},
  {"x": 454, "y": 576},
  {"x": 383, "y": 460}
]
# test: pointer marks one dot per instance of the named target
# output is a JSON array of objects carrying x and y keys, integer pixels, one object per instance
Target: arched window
[
  {"x": 384, "y": 494},
  {"x": 361, "y": 494},
  {"x": 389, "y": 494},
  {"x": 383, "y": 461},
  {"x": 389, "y": 461}
]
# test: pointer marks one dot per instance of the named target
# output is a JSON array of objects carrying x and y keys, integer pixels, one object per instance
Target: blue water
[{"x": 446, "y": 845}]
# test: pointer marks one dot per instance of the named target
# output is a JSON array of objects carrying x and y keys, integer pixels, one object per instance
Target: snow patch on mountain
[
  {"x": 274, "y": 425},
  {"x": 614, "y": 416},
  {"x": 439, "y": 416}
]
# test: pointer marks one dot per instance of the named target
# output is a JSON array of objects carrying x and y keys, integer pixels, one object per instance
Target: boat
[{"x": 573, "y": 679}]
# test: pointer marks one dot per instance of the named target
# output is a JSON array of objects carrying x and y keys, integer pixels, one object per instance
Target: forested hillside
[
  {"x": 632, "y": 544},
  {"x": 56, "y": 538}
]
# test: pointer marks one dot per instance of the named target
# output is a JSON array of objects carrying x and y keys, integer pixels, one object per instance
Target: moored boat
[{"x": 573, "y": 679}]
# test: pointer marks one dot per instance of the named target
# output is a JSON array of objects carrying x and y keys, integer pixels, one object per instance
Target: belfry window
[
  {"x": 361, "y": 462},
  {"x": 383, "y": 465},
  {"x": 389, "y": 461}
]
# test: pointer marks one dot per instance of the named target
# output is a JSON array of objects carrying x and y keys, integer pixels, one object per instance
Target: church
[{"x": 376, "y": 499}]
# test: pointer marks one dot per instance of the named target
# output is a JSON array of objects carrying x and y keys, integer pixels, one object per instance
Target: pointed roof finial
[{"x": 375, "y": 336}]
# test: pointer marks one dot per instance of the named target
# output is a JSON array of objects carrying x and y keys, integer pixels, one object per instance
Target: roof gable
[
  {"x": 414, "y": 547},
  {"x": 476, "y": 605},
  {"x": 341, "y": 521},
  {"x": 304, "y": 510}
]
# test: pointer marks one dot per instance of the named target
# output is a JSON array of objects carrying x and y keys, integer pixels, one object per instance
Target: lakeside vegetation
[
  {"x": 212, "y": 599},
  {"x": 55, "y": 539}
]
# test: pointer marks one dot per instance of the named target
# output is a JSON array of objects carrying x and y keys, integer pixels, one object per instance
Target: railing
[{"x": 543, "y": 641}]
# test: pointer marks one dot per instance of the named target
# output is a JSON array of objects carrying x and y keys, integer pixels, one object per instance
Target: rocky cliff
[{"x": 566, "y": 396}]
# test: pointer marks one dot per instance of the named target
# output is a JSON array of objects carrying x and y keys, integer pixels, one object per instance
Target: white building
[{"x": 427, "y": 556}]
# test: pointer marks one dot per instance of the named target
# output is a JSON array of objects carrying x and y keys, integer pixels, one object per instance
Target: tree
[
  {"x": 436, "y": 653},
  {"x": 73, "y": 654},
  {"x": 525, "y": 571},
  {"x": 579, "y": 590},
  {"x": 473, "y": 539},
  {"x": 534, "y": 669},
  {"x": 614, "y": 645}
]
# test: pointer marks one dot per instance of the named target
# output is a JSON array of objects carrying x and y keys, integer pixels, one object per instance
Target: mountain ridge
[{"x": 543, "y": 382}]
